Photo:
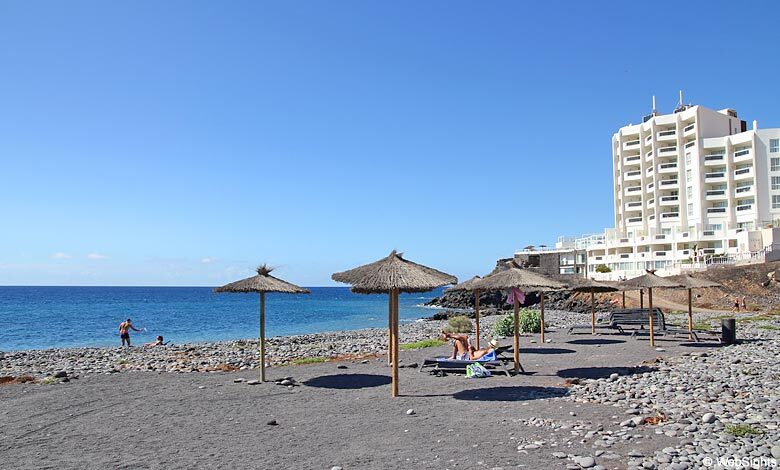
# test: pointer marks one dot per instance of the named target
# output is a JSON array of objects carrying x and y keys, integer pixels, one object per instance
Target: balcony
[
  {"x": 648, "y": 139},
  {"x": 633, "y": 175},
  {"x": 667, "y": 168},
  {"x": 634, "y": 206},
  {"x": 714, "y": 159},
  {"x": 745, "y": 207},
  {"x": 715, "y": 177},
  {"x": 660, "y": 236},
  {"x": 743, "y": 191},
  {"x": 650, "y": 187},
  {"x": 666, "y": 151},
  {"x": 666, "y": 135},
  {"x": 633, "y": 190},
  {"x": 743, "y": 173},
  {"x": 715, "y": 211},
  {"x": 668, "y": 184},
  {"x": 649, "y": 156},
  {"x": 710, "y": 233},
  {"x": 660, "y": 254},
  {"x": 632, "y": 160},
  {"x": 715, "y": 195},
  {"x": 742, "y": 155},
  {"x": 634, "y": 220},
  {"x": 690, "y": 144},
  {"x": 624, "y": 255},
  {"x": 670, "y": 215},
  {"x": 669, "y": 200},
  {"x": 631, "y": 145},
  {"x": 689, "y": 129}
]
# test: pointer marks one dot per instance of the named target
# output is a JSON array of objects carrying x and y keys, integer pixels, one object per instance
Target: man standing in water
[{"x": 124, "y": 331}]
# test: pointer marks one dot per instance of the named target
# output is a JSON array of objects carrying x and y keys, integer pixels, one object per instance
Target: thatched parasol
[
  {"x": 393, "y": 275},
  {"x": 511, "y": 276},
  {"x": 471, "y": 286},
  {"x": 650, "y": 281},
  {"x": 583, "y": 284},
  {"x": 262, "y": 283},
  {"x": 690, "y": 283}
]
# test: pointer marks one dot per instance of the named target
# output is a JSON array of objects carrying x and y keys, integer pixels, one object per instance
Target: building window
[
  {"x": 775, "y": 201},
  {"x": 690, "y": 210},
  {"x": 688, "y": 159},
  {"x": 774, "y": 145},
  {"x": 688, "y": 175},
  {"x": 690, "y": 192},
  {"x": 775, "y": 164},
  {"x": 776, "y": 182}
]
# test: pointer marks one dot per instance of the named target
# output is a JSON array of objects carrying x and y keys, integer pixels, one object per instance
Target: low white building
[{"x": 691, "y": 189}]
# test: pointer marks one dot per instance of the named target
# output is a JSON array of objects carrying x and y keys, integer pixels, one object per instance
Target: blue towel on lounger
[{"x": 491, "y": 356}]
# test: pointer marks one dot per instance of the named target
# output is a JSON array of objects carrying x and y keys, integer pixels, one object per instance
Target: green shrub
[
  {"x": 742, "y": 430},
  {"x": 426, "y": 343},
  {"x": 603, "y": 268},
  {"x": 308, "y": 360},
  {"x": 529, "y": 323},
  {"x": 458, "y": 324}
]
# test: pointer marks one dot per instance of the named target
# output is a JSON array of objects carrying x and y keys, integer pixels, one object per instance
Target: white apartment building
[{"x": 691, "y": 188}]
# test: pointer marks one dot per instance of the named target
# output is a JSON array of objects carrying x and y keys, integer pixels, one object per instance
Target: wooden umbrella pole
[
  {"x": 476, "y": 314},
  {"x": 690, "y": 316},
  {"x": 592, "y": 312},
  {"x": 517, "y": 337},
  {"x": 262, "y": 336},
  {"x": 390, "y": 328},
  {"x": 395, "y": 342},
  {"x": 650, "y": 303},
  {"x": 624, "y": 299},
  {"x": 541, "y": 319}
]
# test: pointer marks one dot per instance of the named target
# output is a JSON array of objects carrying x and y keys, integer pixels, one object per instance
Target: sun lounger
[
  {"x": 458, "y": 366},
  {"x": 609, "y": 325}
]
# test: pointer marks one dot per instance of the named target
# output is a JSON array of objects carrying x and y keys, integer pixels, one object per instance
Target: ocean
[{"x": 59, "y": 317}]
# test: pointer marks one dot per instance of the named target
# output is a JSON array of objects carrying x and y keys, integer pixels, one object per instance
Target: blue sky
[{"x": 182, "y": 143}]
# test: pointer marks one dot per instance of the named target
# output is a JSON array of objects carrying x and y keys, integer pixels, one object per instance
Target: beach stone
[
  {"x": 776, "y": 451},
  {"x": 342, "y": 366},
  {"x": 60, "y": 375},
  {"x": 272, "y": 423},
  {"x": 410, "y": 411},
  {"x": 336, "y": 468},
  {"x": 708, "y": 418},
  {"x": 586, "y": 462},
  {"x": 253, "y": 382},
  {"x": 559, "y": 455},
  {"x": 286, "y": 382},
  {"x": 238, "y": 381}
]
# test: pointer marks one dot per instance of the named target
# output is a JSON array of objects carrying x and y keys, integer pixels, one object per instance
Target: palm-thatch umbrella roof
[
  {"x": 512, "y": 276},
  {"x": 584, "y": 284},
  {"x": 262, "y": 283},
  {"x": 470, "y": 285},
  {"x": 690, "y": 282},
  {"x": 393, "y": 272},
  {"x": 392, "y": 275},
  {"x": 650, "y": 281}
]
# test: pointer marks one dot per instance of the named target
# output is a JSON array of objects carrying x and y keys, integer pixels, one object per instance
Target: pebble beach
[{"x": 601, "y": 402}]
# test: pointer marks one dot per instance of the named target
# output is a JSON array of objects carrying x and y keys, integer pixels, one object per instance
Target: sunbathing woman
[{"x": 463, "y": 350}]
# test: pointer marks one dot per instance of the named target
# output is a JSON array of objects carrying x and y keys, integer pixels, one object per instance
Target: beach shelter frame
[
  {"x": 577, "y": 284},
  {"x": 650, "y": 281},
  {"x": 513, "y": 276},
  {"x": 393, "y": 275},
  {"x": 262, "y": 283},
  {"x": 690, "y": 283}
]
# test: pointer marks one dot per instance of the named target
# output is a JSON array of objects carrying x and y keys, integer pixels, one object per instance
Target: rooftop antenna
[
  {"x": 653, "y": 105},
  {"x": 681, "y": 105}
]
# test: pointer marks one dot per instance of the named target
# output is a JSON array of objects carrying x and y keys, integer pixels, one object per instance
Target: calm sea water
[{"x": 49, "y": 317}]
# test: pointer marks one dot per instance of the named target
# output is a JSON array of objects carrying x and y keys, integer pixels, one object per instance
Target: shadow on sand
[
  {"x": 348, "y": 381},
  {"x": 546, "y": 351},
  {"x": 522, "y": 393},
  {"x": 595, "y": 341},
  {"x": 601, "y": 372}
]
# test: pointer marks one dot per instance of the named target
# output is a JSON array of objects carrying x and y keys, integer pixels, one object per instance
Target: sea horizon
[{"x": 46, "y": 317}]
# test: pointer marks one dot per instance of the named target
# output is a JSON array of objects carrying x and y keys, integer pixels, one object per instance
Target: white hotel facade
[{"x": 691, "y": 189}]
